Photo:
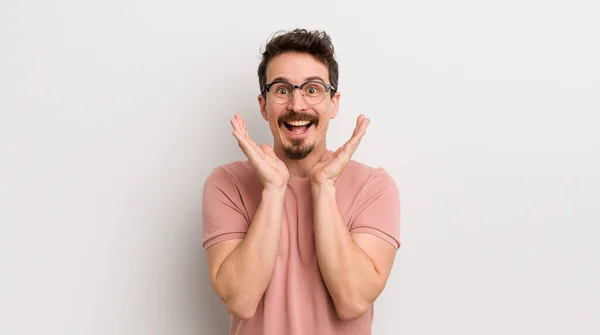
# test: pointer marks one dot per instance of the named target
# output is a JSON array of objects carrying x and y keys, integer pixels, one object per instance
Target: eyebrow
[{"x": 306, "y": 79}]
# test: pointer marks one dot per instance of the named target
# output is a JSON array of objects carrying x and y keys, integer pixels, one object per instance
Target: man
[{"x": 299, "y": 239}]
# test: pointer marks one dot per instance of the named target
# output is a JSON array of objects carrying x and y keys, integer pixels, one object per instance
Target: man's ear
[
  {"x": 335, "y": 104},
  {"x": 262, "y": 102}
]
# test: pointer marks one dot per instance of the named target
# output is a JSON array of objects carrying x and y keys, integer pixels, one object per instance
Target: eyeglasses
[{"x": 313, "y": 92}]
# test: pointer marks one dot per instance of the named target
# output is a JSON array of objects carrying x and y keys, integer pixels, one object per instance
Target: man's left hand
[{"x": 328, "y": 170}]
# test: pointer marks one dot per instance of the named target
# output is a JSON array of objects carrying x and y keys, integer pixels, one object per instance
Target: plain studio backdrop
[{"x": 114, "y": 112}]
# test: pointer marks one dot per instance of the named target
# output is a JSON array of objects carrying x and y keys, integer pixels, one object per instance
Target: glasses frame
[{"x": 328, "y": 88}]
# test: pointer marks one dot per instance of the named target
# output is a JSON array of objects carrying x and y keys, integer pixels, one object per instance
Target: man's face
[{"x": 298, "y": 126}]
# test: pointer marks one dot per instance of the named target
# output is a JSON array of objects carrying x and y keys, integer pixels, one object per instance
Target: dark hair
[{"x": 316, "y": 43}]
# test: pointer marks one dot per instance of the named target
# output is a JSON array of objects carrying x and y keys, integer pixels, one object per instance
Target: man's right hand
[{"x": 272, "y": 171}]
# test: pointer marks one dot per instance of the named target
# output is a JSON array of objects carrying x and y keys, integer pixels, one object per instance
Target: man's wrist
[
  {"x": 323, "y": 189},
  {"x": 274, "y": 191}
]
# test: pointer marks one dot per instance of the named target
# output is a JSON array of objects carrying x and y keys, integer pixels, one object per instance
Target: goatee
[{"x": 297, "y": 151}]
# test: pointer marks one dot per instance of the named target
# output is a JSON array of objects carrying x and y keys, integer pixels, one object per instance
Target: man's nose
[{"x": 298, "y": 103}]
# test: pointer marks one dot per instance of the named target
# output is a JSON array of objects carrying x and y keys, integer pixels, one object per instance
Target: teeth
[{"x": 298, "y": 123}]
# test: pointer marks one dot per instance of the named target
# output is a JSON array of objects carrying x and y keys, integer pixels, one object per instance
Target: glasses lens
[
  {"x": 314, "y": 92},
  {"x": 281, "y": 92}
]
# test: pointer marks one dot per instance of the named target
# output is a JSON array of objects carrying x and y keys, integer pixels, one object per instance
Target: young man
[{"x": 299, "y": 239}]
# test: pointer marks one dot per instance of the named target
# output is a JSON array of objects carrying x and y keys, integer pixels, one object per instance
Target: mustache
[{"x": 298, "y": 117}]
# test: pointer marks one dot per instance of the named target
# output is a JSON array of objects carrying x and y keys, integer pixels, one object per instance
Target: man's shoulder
[
  {"x": 359, "y": 179},
  {"x": 357, "y": 172},
  {"x": 238, "y": 172},
  {"x": 238, "y": 169},
  {"x": 360, "y": 184}
]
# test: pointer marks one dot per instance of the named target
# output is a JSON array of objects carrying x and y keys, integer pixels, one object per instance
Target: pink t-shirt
[{"x": 296, "y": 301}]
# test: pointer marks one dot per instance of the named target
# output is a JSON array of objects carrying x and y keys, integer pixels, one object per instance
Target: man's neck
[{"x": 300, "y": 167}]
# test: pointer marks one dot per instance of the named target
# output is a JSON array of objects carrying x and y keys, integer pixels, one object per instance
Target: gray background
[{"x": 114, "y": 112}]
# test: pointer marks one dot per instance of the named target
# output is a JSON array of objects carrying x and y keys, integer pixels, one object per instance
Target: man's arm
[
  {"x": 355, "y": 267},
  {"x": 240, "y": 270}
]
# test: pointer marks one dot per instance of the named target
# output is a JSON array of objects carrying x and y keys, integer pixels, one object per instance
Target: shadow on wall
[
  {"x": 212, "y": 310},
  {"x": 208, "y": 307},
  {"x": 194, "y": 303},
  {"x": 205, "y": 313}
]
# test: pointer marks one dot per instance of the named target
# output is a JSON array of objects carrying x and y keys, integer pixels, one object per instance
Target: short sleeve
[
  {"x": 378, "y": 209},
  {"x": 223, "y": 214}
]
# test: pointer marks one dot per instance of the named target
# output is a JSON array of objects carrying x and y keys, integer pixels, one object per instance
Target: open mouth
[{"x": 298, "y": 127}]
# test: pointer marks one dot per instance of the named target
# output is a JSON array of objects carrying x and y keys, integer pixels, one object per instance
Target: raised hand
[
  {"x": 328, "y": 170},
  {"x": 272, "y": 171}
]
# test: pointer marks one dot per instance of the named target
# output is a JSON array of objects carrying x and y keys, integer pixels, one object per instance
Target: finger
[
  {"x": 243, "y": 129},
  {"x": 359, "y": 119},
  {"x": 269, "y": 155},
  {"x": 235, "y": 122},
  {"x": 243, "y": 126},
  {"x": 266, "y": 148},
  {"x": 361, "y": 122},
  {"x": 349, "y": 148},
  {"x": 359, "y": 131},
  {"x": 327, "y": 156},
  {"x": 341, "y": 152},
  {"x": 357, "y": 127},
  {"x": 247, "y": 146},
  {"x": 241, "y": 141}
]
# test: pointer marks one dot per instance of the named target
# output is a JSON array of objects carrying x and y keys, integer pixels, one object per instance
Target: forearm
[
  {"x": 245, "y": 274},
  {"x": 346, "y": 269}
]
